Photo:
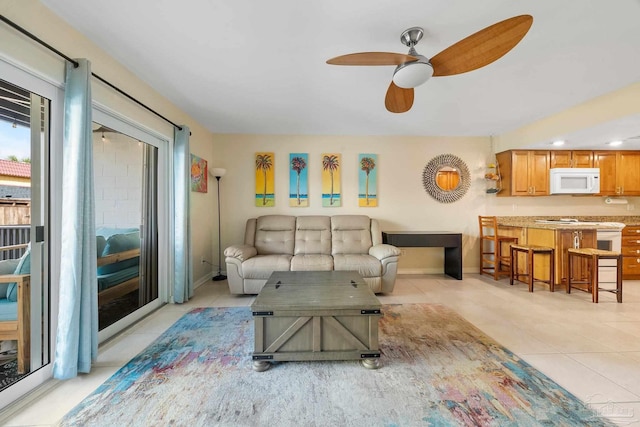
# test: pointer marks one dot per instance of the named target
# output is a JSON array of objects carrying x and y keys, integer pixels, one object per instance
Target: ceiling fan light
[{"x": 412, "y": 74}]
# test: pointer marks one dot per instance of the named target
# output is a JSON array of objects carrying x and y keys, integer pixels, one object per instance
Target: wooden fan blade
[
  {"x": 398, "y": 99},
  {"x": 371, "y": 58},
  {"x": 481, "y": 48}
]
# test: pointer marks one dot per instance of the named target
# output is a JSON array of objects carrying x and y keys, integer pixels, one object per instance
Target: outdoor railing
[{"x": 14, "y": 235}]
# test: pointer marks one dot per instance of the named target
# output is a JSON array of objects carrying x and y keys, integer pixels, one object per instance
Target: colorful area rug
[{"x": 438, "y": 370}]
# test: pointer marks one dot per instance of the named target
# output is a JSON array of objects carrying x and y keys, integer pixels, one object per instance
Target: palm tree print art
[
  {"x": 330, "y": 163},
  {"x": 367, "y": 164},
  {"x": 298, "y": 164},
  {"x": 264, "y": 162}
]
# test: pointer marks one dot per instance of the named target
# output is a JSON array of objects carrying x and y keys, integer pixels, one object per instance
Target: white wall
[{"x": 118, "y": 180}]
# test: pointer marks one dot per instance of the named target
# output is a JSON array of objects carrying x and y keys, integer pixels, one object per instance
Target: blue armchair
[{"x": 15, "y": 319}]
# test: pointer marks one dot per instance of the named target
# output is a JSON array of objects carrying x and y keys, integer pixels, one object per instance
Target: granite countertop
[{"x": 599, "y": 222}]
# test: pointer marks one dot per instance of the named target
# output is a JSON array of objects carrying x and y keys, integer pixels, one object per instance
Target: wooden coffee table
[{"x": 316, "y": 315}]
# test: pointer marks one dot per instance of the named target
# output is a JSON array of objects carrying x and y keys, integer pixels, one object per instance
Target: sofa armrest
[
  {"x": 240, "y": 252},
  {"x": 382, "y": 251}
]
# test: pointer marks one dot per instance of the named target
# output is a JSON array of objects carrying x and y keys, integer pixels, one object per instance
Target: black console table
[{"x": 451, "y": 242}]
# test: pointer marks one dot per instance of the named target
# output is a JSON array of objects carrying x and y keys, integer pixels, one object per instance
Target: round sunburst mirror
[{"x": 446, "y": 178}]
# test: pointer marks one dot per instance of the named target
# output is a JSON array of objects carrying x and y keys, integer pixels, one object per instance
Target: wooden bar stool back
[
  {"x": 529, "y": 274},
  {"x": 492, "y": 260},
  {"x": 591, "y": 281}
]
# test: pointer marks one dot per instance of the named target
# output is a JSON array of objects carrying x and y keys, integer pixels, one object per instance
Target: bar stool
[
  {"x": 531, "y": 251},
  {"x": 491, "y": 259},
  {"x": 592, "y": 256}
]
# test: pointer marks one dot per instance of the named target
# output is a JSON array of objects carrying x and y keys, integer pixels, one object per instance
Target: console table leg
[
  {"x": 371, "y": 363},
  {"x": 261, "y": 365}
]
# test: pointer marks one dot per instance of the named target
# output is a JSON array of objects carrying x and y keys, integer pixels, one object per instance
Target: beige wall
[
  {"x": 603, "y": 109},
  {"x": 21, "y": 51},
  {"x": 15, "y": 180},
  {"x": 403, "y": 201}
]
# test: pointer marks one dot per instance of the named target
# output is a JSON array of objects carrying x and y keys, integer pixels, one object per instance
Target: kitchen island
[{"x": 562, "y": 235}]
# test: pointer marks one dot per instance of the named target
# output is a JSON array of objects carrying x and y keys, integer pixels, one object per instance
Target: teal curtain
[
  {"x": 182, "y": 280},
  {"x": 77, "y": 334}
]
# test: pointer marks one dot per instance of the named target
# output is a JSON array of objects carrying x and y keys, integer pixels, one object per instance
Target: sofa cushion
[
  {"x": 261, "y": 266},
  {"x": 8, "y": 310},
  {"x": 7, "y": 266},
  {"x": 107, "y": 232},
  {"x": 106, "y": 281},
  {"x": 101, "y": 243},
  {"x": 121, "y": 242},
  {"x": 313, "y": 235},
  {"x": 366, "y": 265},
  {"x": 312, "y": 262},
  {"x": 23, "y": 267},
  {"x": 350, "y": 234},
  {"x": 275, "y": 234}
]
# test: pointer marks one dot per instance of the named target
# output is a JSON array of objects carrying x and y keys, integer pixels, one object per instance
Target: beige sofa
[{"x": 311, "y": 243}]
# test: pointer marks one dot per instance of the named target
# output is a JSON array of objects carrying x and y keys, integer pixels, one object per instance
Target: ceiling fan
[{"x": 475, "y": 51}]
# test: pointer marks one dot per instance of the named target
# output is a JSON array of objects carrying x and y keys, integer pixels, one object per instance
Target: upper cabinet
[
  {"x": 619, "y": 172},
  {"x": 524, "y": 172},
  {"x": 571, "y": 159}
]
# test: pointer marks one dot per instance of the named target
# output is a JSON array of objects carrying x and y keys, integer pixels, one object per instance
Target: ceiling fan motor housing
[{"x": 414, "y": 73}]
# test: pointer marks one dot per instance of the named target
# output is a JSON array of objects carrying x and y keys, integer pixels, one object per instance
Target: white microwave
[{"x": 574, "y": 180}]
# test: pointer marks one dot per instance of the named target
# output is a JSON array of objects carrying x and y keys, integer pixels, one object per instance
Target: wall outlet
[{"x": 630, "y": 207}]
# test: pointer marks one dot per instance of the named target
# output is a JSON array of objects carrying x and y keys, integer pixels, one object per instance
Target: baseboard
[
  {"x": 432, "y": 271},
  {"x": 204, "y": 279}
]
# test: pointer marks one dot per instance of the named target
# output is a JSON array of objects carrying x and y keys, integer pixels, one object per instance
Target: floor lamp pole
[{"x": 220, "y": 276}]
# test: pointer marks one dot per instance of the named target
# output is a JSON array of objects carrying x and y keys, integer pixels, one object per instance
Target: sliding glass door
[
  {"x": 29, "y": 115},
  {"x": 135, "y": 195},
  {"x": 129, "y": 190}
]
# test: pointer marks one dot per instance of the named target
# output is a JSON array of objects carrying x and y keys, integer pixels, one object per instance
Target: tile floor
[{"x": 593, "y": 350}]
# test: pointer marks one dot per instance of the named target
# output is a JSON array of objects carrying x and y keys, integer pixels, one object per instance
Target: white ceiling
[{"x": 250, "y": 66}]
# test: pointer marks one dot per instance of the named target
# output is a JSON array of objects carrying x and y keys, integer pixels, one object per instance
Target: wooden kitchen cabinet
[
  {"x": 571, "y": 159},
  {"x": 524, "y": 172},
  {"x": 561, "y": 241},
  {"x": 631, "y": 252},
  {"x": 619, "y": 172}
]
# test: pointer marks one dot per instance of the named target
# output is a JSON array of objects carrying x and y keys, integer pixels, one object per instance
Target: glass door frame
[
  {"x": 50, "y": 183},
  {"x": 111, "y": 119}
]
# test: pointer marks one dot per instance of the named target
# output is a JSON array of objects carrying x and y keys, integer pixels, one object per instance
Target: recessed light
[
  {"x": 614, "y": 143},
  {"x": 558, "y": 142}
]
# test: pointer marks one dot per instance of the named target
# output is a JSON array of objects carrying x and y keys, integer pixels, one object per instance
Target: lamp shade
[{"x": 218, "y": 172}]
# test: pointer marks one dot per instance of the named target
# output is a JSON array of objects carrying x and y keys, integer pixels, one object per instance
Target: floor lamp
[{"x": 219, "y": 173}]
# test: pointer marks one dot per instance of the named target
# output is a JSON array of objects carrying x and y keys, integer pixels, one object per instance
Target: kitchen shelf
[{"x": 492, "y": 176}]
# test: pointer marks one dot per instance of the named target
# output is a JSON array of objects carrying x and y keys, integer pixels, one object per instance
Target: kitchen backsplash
[{"x": 628, "y": 220}]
